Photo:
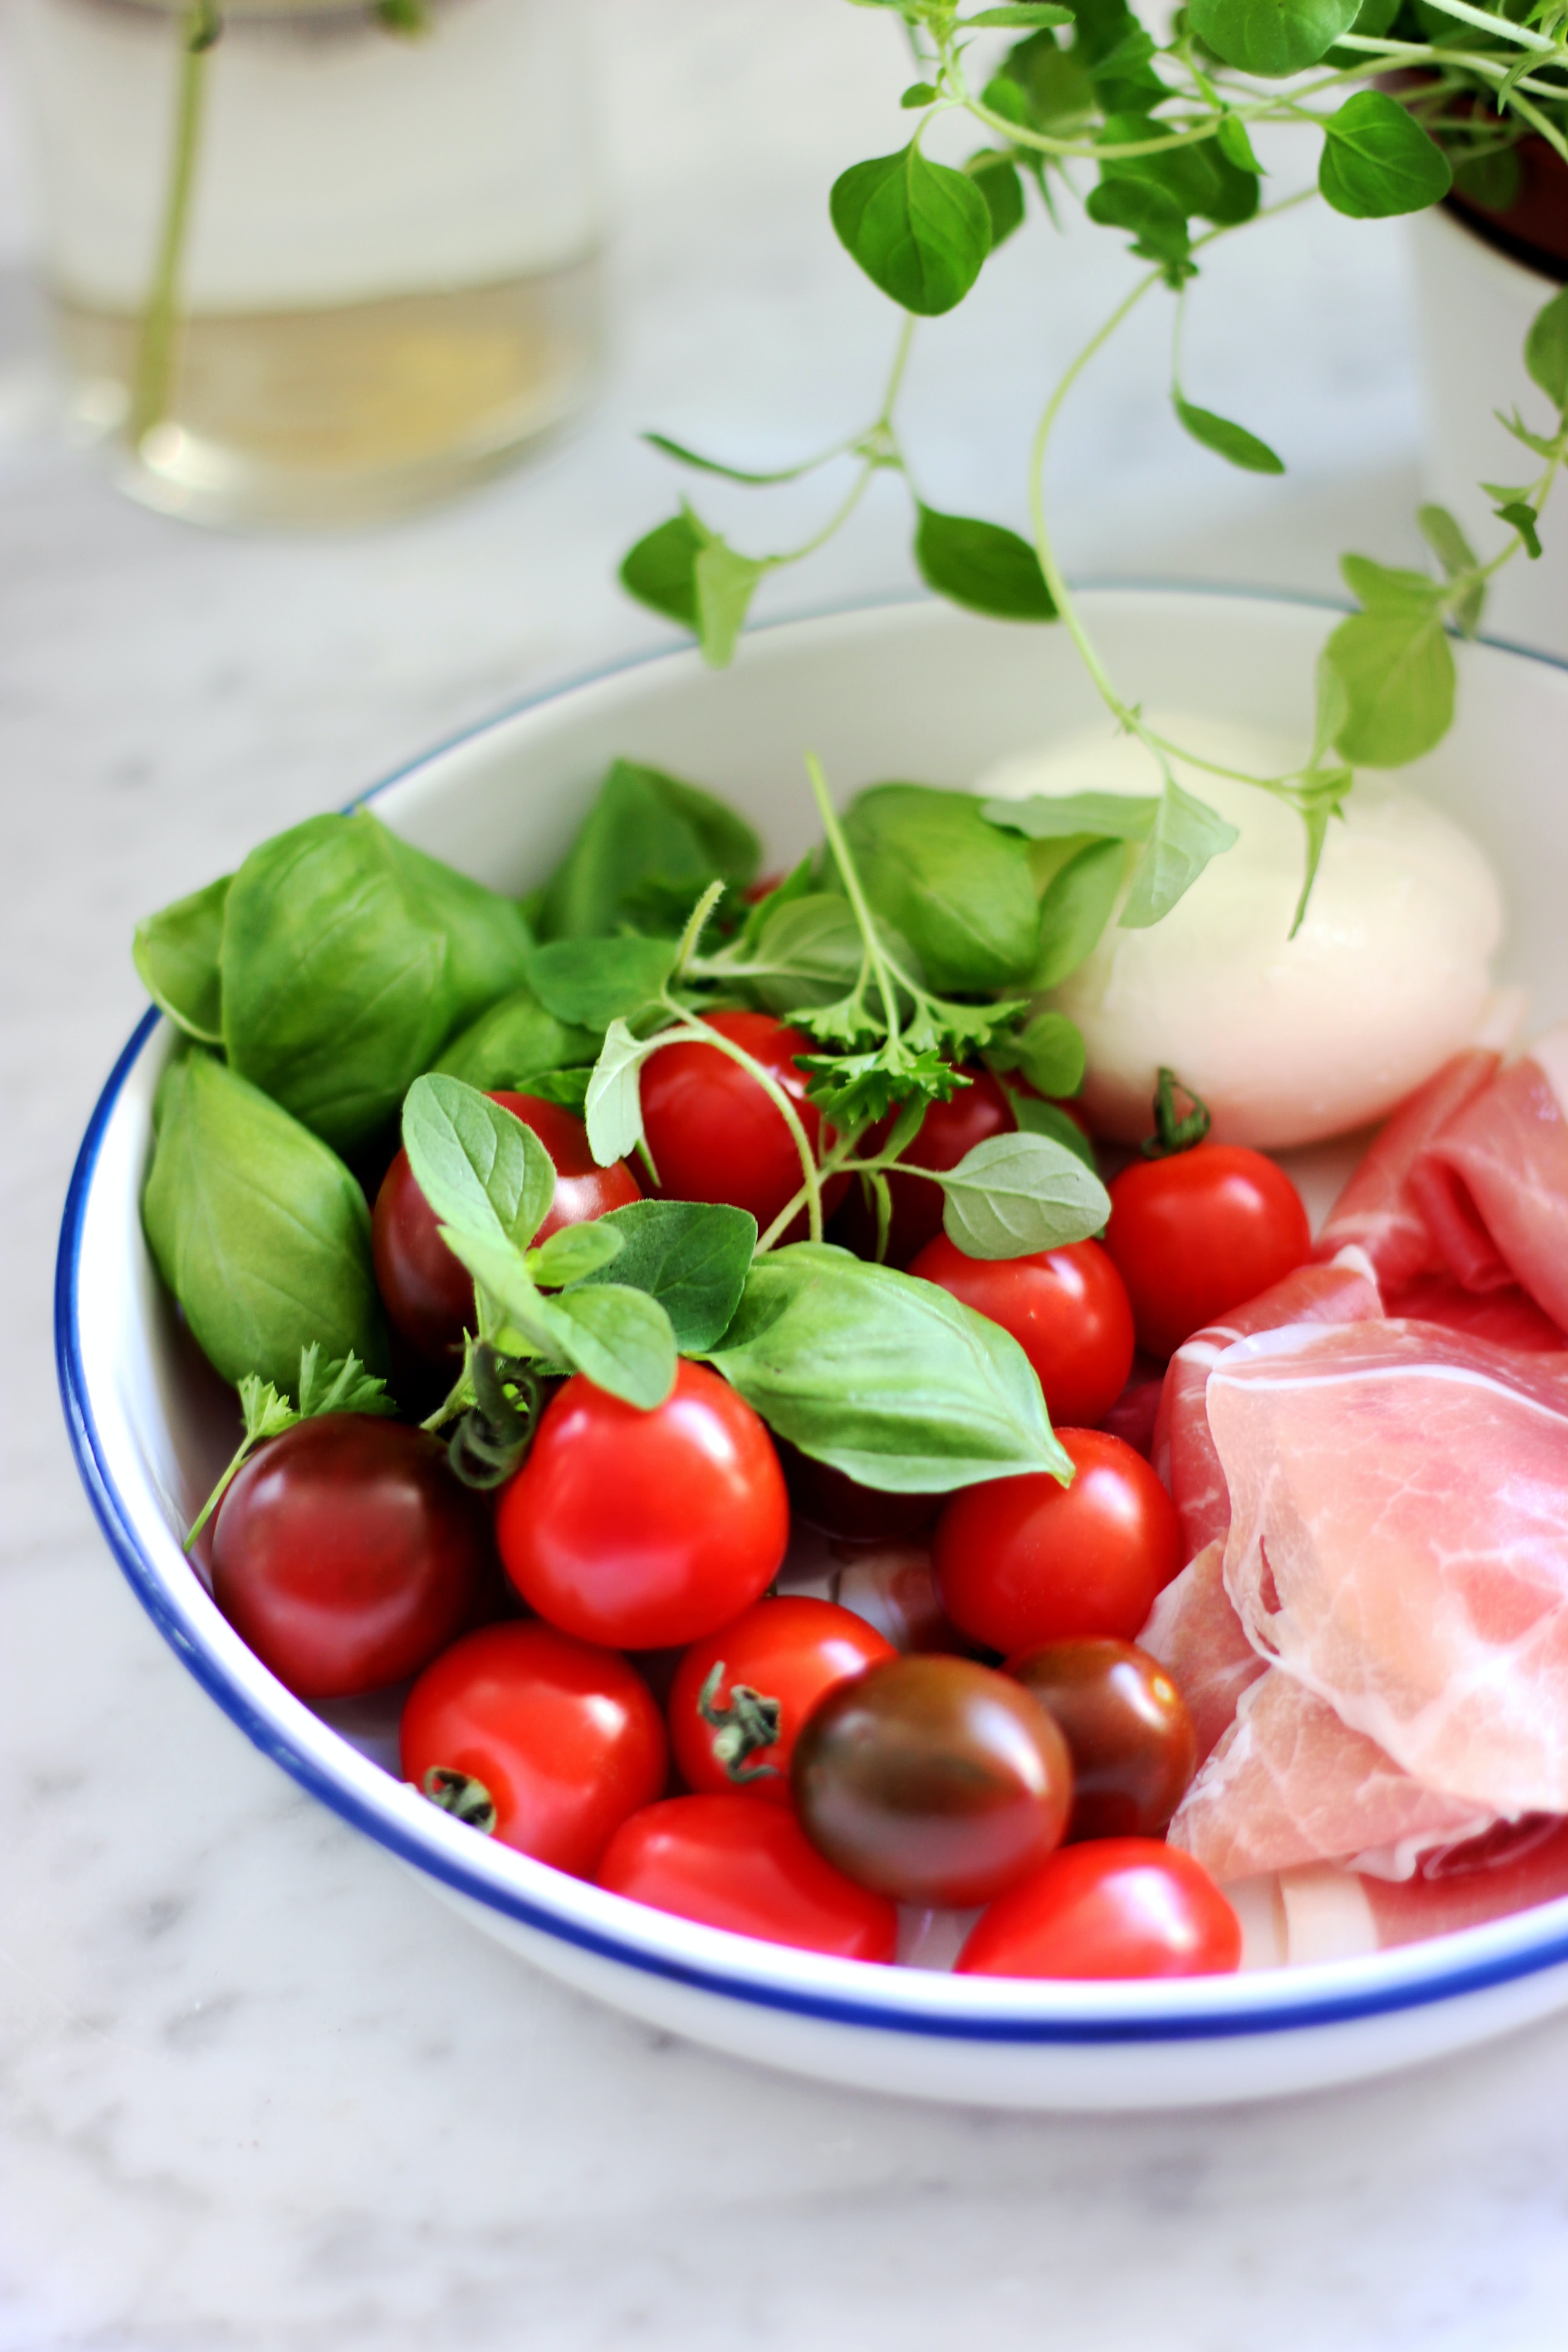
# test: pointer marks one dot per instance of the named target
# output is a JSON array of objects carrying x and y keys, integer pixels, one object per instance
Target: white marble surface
[{"x": 259, "y": 2093}]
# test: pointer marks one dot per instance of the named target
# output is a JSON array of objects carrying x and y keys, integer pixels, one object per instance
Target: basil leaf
[
  {"x": 1120, "y": 816},
  {"x": 691, "y": 1255},
  {"x": 516, "y": 1038},
  {"x": 1378, "y": 161},
  {"x": 1233, "y": 442},
  {"x": 348, "y": 960},
  {"x": 1076, "y": 909},
  {"x": 612, "y": 1108},
  {"x": 919, "y": 231},
  {"x": 482, "y": 1169},
  {"x": 567, "y": 1088},
  {"x": 596, "y": 982},
  {"x": 660, "y": 570},
  {"x": 995, "y": 175},
  {"x": 574, "y": 1253},
  {"x": 1049, "y": 1052},
  {"x": 1016, "y": 1194},
  {"x": 982, "y": 565},
  {"x": 621, "y": 1339},
  {"x": 958, "y": 890},
  {"x": 176, "y": 955},
  {"x": 646, "y": 829},
  {"x": 1271, "y": 38},
  {"x": 1037, "y": 1117},
  {"x": 257, "y": 1228},
  {"x": 1395, "y": 670},
  {"x": 1546, "y": 350},
  {"x": 1187, "y": 833},
  {"x": 726, "y": 582},
  {"x": 884, "y": 1377}
]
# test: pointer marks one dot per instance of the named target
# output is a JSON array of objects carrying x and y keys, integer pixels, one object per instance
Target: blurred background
[{"x": 219, "y": 2130}]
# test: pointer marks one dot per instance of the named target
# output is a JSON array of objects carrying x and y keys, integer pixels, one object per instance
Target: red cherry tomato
[
  {"x": 1133, "y": 1747},
  {"x": 713, "y": 1131},
  {"x": 427, "y": 1293},
  {"x": 732, "y": 1861},
  {"x": 1200, "y": 1232},
  {"x": 787, "y": 1652},
  {"x": 642, "y": 1529},
  {"x": 1121, "y": 1908},
  {"x": 1019, "y": 1562},
  {"x": 1066, "y": 1309},
  {"x": 931, "y": 1779},
  {"x": 346, "y": 1554},
  {"x": 564, "y": 1738},
  {"x": 949, "y": 1131}
]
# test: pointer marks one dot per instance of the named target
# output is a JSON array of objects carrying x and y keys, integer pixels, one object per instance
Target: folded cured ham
[
  {"x": 1196, "y": 1635},
  {"x": 1399, "y": 1543}
]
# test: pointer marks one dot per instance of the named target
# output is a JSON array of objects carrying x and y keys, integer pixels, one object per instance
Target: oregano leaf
[
  {"x": 982, "y": 565},
  {"x": 1232, "y": 442},
  {"x": 920, "y": 231},
  {"x": 1378, "y": 161}
]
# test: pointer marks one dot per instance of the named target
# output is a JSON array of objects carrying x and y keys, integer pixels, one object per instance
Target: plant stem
[
  {"x": 887, "y": 988},
  {"x": 159, "y": 319},
  {"x": 695, "y": 1030}
]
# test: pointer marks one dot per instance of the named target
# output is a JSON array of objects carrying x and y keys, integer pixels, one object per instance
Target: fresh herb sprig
[
  {"x": 341, "y": 1386},
  {"x": 1167, "y": 127}
]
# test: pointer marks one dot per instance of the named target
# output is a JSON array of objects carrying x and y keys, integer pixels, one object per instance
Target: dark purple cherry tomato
[
  {"x": 713, "y": 1132},
  {"x": 563, "y": 1738},
  {"x": 1122, "y": 1907},
  {"x": 949, "y": 1131},
  {"x": 346, "y": 1554},
  {"x": 932, "y": 1780},
  {"x": 427, "y": 1293},
  {"x": 1066, "y": 1308},
  {"x": 1133, "y": 1743},
  {"x": 785, "y": 1655},
  {"x": 733, "y": 1862}
]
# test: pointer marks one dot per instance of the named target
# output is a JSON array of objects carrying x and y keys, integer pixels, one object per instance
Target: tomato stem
[
  {"x": 752, "y": 1720},
  {"x": 1172, "y": 1135},
  {"x": 460, "y": 1794}
]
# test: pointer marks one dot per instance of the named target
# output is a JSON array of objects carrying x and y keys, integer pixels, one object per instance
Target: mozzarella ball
[{"x": 1287, "y": 1040}]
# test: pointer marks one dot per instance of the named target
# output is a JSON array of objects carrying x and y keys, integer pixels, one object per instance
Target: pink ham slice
[
  {"x": 1399, "y": 1543},
  {"x": 1183, "y": 1452},
  {"x": 1377, "y": 1211},
  {"x": 1510, "y": 1318},
  {"x": 1290, "y": 1784},
  {"x": 1492, "y": 1186},
  {"x": 1201, "y": 1643},
  {"x": 1531, "y": 1867}
]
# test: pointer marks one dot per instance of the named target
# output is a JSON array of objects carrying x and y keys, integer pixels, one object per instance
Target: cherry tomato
[
  {"x": 1122, "y": 1907},
  {"x": 346, "y": 1554},
  {"x": 841, "y": 1506},
  {"x": 427, "y": 1293},
  {"x": 1200, "y": 1232},
  {"x": 732, "y": 1861},
  {"x": 932, "y": 1780},
  {"x": 1133, "y": 1743},
  {"x": 948, "y": 1133},
  {"x": 1066, "y": 1308},
  {"x": 713, "y": 1133},
  {"x": 642, "y": 1529},
  {"x": 564, "y": 1738},
  {"x": 784, "y": 1655},
  {"x": 1024, "y": 1560}
]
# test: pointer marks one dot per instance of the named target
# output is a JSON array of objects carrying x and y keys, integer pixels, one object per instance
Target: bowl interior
[{"x": 917, "y": 691}]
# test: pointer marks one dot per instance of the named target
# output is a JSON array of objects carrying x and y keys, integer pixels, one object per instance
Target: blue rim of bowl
[{"x": 1433, "y": 1983}]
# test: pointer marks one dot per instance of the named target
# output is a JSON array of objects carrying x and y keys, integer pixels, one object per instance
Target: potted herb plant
[{"x": 1165, "y": 142}]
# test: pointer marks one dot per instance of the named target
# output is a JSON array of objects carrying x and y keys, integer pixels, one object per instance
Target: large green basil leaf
[
  {"x": 514, "y": 1040},
  {"x": 648, "y": 847},
  {"x": 348, "y": 960},
  {"x": 596, "y": 982},
  {"x": 958, "y": 889},
  {"x": 885, "y": 1377},
  {"x": 257, "y": 1228},
  {"x": 176, "y": 954},
  {"x": 693, "y": 1256}
]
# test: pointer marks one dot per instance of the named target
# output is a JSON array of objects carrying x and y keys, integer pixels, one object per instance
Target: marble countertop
[{"x": 257, "y": 2092}]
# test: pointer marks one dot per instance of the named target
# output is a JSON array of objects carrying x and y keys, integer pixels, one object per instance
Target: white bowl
[{"x": 919, "y": 691}]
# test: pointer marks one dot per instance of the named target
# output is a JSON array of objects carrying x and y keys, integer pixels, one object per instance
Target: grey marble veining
[{"x": 257, "y": 2091}]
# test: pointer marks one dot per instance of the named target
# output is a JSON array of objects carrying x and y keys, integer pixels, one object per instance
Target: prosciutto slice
[
  {"x": 1183, "y": 1451},
  {"x": 1291, "y": 1783},
  {"x": 1492, "y": 1186},
  {"x": 1378, "y": 1211},
  {"x": 1198, "y": 1637},
  {"x": 1510, "y": 1318},
  {"x": 1399, "y": 1543}
]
